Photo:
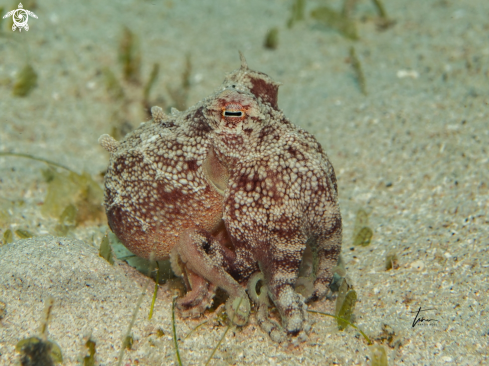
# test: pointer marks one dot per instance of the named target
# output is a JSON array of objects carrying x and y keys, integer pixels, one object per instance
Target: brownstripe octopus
[{"x": 235, "y": 195}]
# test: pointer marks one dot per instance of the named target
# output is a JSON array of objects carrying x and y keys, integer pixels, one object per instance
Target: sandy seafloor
[{"x": 413, "y": 153}]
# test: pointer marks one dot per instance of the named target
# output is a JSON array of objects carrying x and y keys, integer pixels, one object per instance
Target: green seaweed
[
  {"x": 68, "y": 216},
  {"x": 25, "y": 81},
  {"x": 224, "y": 334},
  {"x": 363, "y": 237},
  {"x": 345, "y": 305},
  {"x": 180, "y": 95},
  {"x": 336, "y": 20},
  {"x": 24, "y": 234},
  {"x": 133, "y": 97},
  {"x": 32, "y": 157},
  {"x": 380, "y": 8},
  {"x": 219, "y": 343},
  {"x": 131, "y": 324},
  {"x": 112, "y": 85},
  {"x": 79, "y": 190},
  {"x": 128, "y": 342},
  {"x": 195, "y": 328},
  {"x": 344, "y": 321},
  {"x": 160, "y": 332},
  {"x": 155, "y": 291},
  {"x": 46, "y": 317},
  {"x": 361, "y": 220},
  {"x": 40, "y": 351},
  {"x": 130, "y": 56},
  {"x": 35, "y": 351},
  {"x": 8, "y": 237},
  {"x": 271, "y": 39},
  {"x": 67, "y": 220},
  {"x": 296, "y": 12},
  {"x": 391, "y": 261},
  {"x": 383, "y": 22},
  {"x": 174, "y": 332},
  {"x": 89, "y": 360},
  {"x": 105, "y": 250},
  {"x": 67, "y": 189},
  {"x": 2, "y": 9},
  {"x": 362, "y": 234},
  {"x": 150, "y": 83},
  {"x": 357, "y": 67},
  {"x": 3, "y": 309},
  {"x": 5, "y": 206},
  {"x": 378, "y": 355}
]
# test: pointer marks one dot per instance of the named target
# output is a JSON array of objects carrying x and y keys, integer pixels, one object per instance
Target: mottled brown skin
[{"x": 228, "y": 189}]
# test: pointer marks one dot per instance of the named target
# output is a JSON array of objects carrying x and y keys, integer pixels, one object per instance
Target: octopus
[{"x": 237, "y": 198}]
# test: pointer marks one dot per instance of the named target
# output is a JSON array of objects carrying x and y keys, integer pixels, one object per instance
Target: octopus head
[{"x": 234, "y": 112}]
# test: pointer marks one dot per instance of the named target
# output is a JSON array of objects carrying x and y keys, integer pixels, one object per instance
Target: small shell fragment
[{"x": 417, "y": 265}]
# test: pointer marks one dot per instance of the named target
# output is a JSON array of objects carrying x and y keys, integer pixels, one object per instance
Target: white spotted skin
[{"x": 228, "y": 188}]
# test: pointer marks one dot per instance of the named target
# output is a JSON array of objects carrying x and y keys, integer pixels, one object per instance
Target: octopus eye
[
  {"x": 233, "y": 111},
  {"x": 233, "y": 114}
]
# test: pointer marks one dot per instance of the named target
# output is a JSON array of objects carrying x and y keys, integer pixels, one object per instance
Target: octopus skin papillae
[{"x": 233, "y": 194}]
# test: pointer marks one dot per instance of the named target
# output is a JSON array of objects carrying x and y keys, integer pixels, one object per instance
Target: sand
[{"x": 413, "y": 153}]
